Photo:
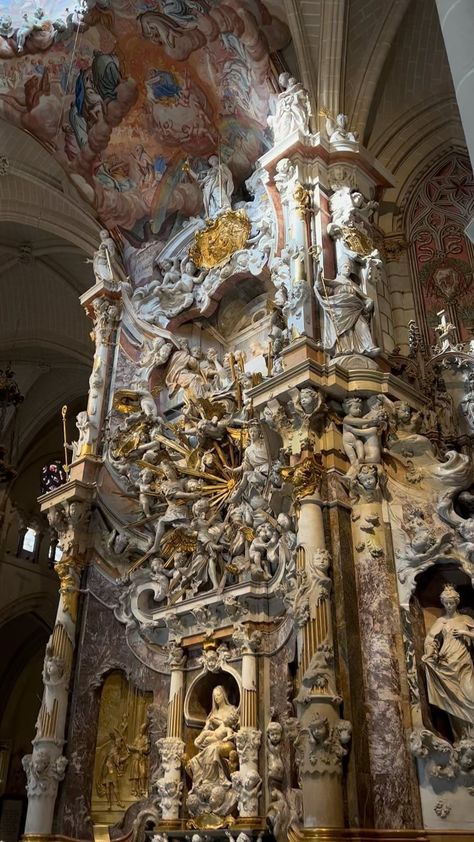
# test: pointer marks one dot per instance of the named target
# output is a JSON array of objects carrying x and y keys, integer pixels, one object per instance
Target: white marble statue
[
  {"x": 448, "y": 659},
  {"x": 253, "y": 471},
  {"x": 217, "y": 186},
  {"x": 347, "y": 311},
  {"x": 361, "y": 433},
  {"x": 87, "y": 435},
  {"x": 171, "y": 292},
  {"x": 102, "y": 260},
  {"x": 293, "y": 111},
  {"x": 349, "y": 207},
  {"x": 28, "y": 26},
  {"x": 184, "y": 372},
  {"x": 337, "y": 130},
  {"x": 211, "y": 767}
]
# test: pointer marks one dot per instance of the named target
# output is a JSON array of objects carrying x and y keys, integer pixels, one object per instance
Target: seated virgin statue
[{"x": 216, "y": 759}]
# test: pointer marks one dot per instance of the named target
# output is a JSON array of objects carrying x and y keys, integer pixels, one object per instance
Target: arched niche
[
  {"x": 122, "y": 717},
  {"x": 198, "y": 700},
  {"x": 425, "y": 609}
]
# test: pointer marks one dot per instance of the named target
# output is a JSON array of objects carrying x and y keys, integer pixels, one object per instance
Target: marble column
[
  {"x": 104, "y": 308},
  {"x": 45, "y": 766},
  {"x": 321, "y": 741},
  {"x": 171, "y": 747},
  {"x": 394, "y": 789},
  {"x": 457, "y": 25},
  {"x": 247, "y": 781}
]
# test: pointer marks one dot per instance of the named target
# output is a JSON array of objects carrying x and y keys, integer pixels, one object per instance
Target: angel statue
[
  {"x": 171, "y": 292},
  {"x": 347, "y": 312}
]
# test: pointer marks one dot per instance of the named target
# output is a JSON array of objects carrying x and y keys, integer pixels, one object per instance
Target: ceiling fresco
[{"x": 132, "y": 98}]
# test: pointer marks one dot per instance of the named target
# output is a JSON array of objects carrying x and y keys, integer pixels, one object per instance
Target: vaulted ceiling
[{"x": 46, "y": 235}]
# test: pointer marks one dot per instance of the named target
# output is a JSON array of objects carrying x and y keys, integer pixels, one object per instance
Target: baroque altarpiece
[{"x": 267, "y": 530}]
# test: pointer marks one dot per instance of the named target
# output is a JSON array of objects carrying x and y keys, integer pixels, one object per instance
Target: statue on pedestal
[
  {"x": 337, "y": 130},
  {"x": 211, "y": 767},
  {"x": 293, "y": 111},
  {"x": 101, "y": 262},
  {"x": 217, "y": 186},
  {"x": 448, "y": 658},
  {"x": 347, "y": 312}
]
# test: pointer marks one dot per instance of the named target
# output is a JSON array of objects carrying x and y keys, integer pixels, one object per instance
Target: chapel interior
[{"x": 236, "y": 420}]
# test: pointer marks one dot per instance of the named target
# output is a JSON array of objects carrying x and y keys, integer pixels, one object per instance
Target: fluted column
[
  {"x": 45, "y": 766},
  {"x": 320, "y": 745},
  {"x": 171, "y": 747},
  {"x": 248, "y": 705},
  {"x": 322, "y": 737},
  {"x": 247, "y": 781}
]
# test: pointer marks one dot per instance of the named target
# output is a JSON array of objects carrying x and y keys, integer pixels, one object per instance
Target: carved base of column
[{"x": 362, "y": 834}]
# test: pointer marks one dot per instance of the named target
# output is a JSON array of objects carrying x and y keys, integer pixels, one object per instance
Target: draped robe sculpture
[
  {"x": 448, "y": 658},
  {"x": 216, "y": 759}
]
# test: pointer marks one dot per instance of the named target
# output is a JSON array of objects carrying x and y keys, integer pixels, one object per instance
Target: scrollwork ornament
[{"x": 305, "y": 477}]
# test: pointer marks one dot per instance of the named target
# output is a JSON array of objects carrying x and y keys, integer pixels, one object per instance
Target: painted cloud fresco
[{"x": 133, "y": 97}]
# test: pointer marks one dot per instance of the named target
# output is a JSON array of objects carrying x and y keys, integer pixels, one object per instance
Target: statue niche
[
  {"x": 212, "y": 751},
  {"x": 122, "y": 749},
  {"x": 446, "y": 649}
]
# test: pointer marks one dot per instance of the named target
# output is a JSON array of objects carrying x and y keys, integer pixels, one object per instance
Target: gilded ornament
[
  {"x": 357, "y": 240},
  {"x": 209, "y": 821},
  {"x": 66, "y": 570},
  {"x": 305, "y": 477},
  {"x": 126, "y": 401},
  {"x": 128, "y": 441},
  {"x": 302, "y": 200},
  {"x": 122, "y": 749},
  {"x": 221, "y": 238},
  {"x": 178, "y": 541}
]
